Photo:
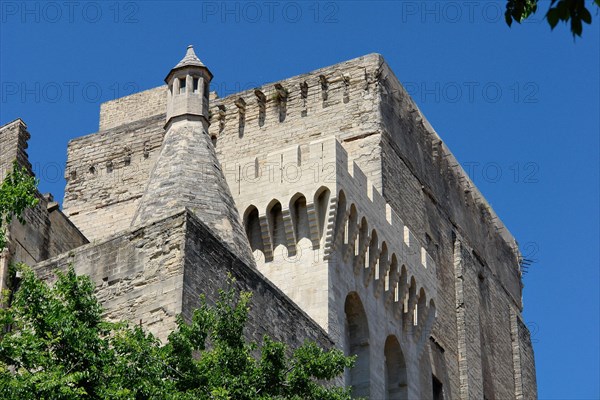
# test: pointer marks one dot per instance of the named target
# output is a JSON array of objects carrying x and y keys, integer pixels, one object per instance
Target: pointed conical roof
[{"x": 189, "y": 60}]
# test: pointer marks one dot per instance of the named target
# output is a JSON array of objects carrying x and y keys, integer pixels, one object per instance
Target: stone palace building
[{"x": 328, "y": 195}]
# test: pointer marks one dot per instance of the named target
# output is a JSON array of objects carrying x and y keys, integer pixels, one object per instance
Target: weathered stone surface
[
  {"x": 351, "y": 204},
  {"x": 187, "y": 174},
  {"x": 47, "y": 232},
  {"x": 152, "y": 273}
]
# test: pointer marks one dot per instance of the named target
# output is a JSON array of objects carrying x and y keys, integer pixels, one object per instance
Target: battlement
[
  {"x": 337, "y": 190},
  {"x": 352, "y": 97},
  {"x": 298, "y": 98},
  {"x": 346, "y": 213}
]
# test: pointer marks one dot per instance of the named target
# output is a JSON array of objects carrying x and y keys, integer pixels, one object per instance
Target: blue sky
[{"x": 518, "y": 107}]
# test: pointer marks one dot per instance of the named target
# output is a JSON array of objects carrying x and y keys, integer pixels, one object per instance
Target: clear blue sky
[{"x": 519, "y": 106}]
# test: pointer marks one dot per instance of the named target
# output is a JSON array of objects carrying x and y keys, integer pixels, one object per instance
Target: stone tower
[
  {"x": 187, "y": 173},
  {"x": 360, "y": 229}
]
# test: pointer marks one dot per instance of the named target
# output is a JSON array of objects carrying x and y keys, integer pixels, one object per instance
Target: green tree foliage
[
  {"x": 56, "y": 345},
  {"x": 559, "y": 10},
  {"x": 17, "y": 193}
]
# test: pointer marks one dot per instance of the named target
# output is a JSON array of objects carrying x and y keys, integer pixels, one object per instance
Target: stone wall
[
  {"x": 13, "y": 146},
  {"x": 135, "y": 107},
  {"x": 47, "y": 232},
  {"x": 154, "y": 272},
  {"x": 107, "y": 174},
  {"x": 479, "y": 345},
  {"x": 138, "y": 274},
  {"x": 207, "y": 266},
  {"x": 339, "y": 101},
  {"x": 478, "y": 289}
]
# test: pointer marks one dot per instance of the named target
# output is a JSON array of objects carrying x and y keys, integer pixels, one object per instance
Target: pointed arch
[
  {"x": 410, "y": 304},
  {"x": 391, "y": 276},
  {"x": 252, "y": 228},
  {"x": 340, "y": 218},
  {"x": 357, "y": 343},
  {"x": 277, "y": 230},
  {"x": 396, "y": 383},
  {"x": 351, "y": 226},
  {"x": 363, "y": 234},
  {"x": 373, "y": 249},
  {"x": 299, "y": 214},
  {"x": 321, "y": 201}
]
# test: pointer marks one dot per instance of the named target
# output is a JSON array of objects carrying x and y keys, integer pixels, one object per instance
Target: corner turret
[
  {"x": 187, "y": 97},
  {"x": 187, "y": 173}
]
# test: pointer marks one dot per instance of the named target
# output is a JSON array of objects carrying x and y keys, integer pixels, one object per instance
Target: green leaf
[
  {"x": 576, "y": 26},
  {"x": 508, "y": 18},
  {"x": 17, "y": 193},
  {"x": 586, "y": 16},
  {"x": 563, "y": 10},
  {"x": 552, "y": 17}
]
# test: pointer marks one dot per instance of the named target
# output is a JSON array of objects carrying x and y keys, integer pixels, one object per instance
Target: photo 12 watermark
[
  {"x": 260, "y": 12},
  {"x": 471, "y": 92},
  {"x": 71, "y": 12},
  {"x": 493, "y": 172},
  {"x": 66, "y": 91},
  {"x": 454, "y": 12}
]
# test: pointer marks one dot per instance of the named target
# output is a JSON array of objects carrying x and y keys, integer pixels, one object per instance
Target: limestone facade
[{"x": 329, "y": 196}]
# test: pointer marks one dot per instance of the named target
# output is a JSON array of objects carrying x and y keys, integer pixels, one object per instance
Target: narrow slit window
[
  {"x": 438, "y": 389},
  {"x": 206, "y": 90},
  {"x": 196, "y": 81},
  {"x": 182, "y": 85}
]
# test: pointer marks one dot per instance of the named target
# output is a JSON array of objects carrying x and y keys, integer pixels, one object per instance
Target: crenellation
[{"x": 330, "y": 184}]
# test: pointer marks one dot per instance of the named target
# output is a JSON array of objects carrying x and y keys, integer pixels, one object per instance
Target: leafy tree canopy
[
  {"x": 560, "y": 10},
  {"x": 17, "y": 193},
  {"x": 56, "y": 345}
]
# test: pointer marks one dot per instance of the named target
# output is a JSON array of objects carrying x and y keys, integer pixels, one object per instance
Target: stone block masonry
[
  {"x": 155, "y": 272},
  {"x": 47, "y": 232},
  {"x": 347, "y": 200}
]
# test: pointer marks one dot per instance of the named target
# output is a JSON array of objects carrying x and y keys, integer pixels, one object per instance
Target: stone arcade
[{"x": 328, "y": 195}]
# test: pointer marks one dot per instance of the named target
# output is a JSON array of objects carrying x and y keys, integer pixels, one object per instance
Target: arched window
[
  {"x": 357, "y": 343},
  {"x": 277, "y": 229},
  {"x": 396, "y": 384},
  {"x": 322, "y": 204},
  {"x": 252, "y": 226},
  {"x": 300, "y": 218}
]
